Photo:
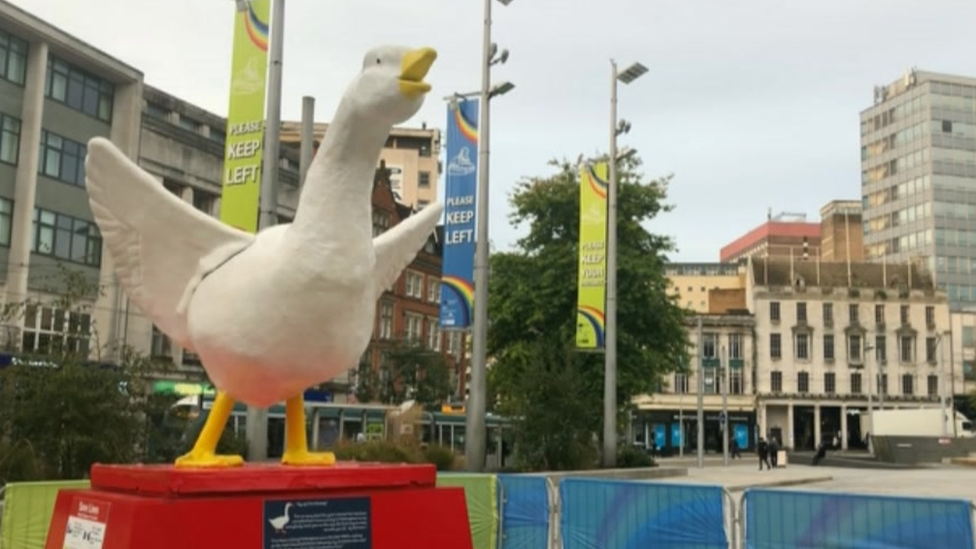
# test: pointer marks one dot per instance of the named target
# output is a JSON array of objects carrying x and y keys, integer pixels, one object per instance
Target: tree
[
  {"x": 408, "y": 371},
  {"x": 554, "y": 390},
  {"x": 60, "y": 412}
]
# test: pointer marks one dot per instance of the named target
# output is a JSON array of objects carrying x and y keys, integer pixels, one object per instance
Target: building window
[
  {"x": 905, "y": 349},
  {"x": 853, "y": 313},
  {"x": 434, "y": 290},
  {"x": 381, "y": 222},
  {"x": 681, "y": 384},
  {"x": 828, "y": 313},
  {"x": 433, "y": 334},
  {"x": 774, "y": 311},
  {"x": 856, "y": 383},
  {"x": 709, "y": 345},
  {"x": 735, "y": 347},
  {"x": 933, "y": 382},
  {"x": 62, "y": 159},
  {"x": 386, "y": 320},
  {"x": 904, "y": 315},
  {"x": 801, "y": 312},
  {"x": 66, "y": 237},
  {"x": 883, "y": 384},
  {"x": 930, "y": 349},
  {"x": 454, "y": 343},
  {"x": 48, "y": 329},
  {"x": 737, "y": 382},
  {"x": 424, "y": 179},
  {"x": 929, "y": 315},
  {"x": 204, "y": 201},
  {"x": 803, "y": 382},
  {"x": 776, "y": 382},
  {"x": 415, "y": 327},
  {"x": 879, "y": 314},
  {"x": 162, "y": 346},
  {"x": 881, "y": 349},
  {"x": 775, "y": 346},
  {"x": 854, "y": 348},
  {"x": 13, "y": 58},
  {"x": 415, "y": 285},
  {"x": 9, "y": 139},
  {"x": 6, "y": 219},
  {"x": 830, "y": 383},
  {"x": 802, "y": 346},
  {"x": 79, "y": 90},
  {"x": 828, "y": 346},
  {"x": 907, "y": 385}
]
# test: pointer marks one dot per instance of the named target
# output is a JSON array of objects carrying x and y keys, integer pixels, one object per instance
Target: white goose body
[{"x": 274, "y": 313}]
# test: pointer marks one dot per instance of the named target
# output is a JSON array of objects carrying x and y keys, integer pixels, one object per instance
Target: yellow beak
[{"x": 413, "y": 69}]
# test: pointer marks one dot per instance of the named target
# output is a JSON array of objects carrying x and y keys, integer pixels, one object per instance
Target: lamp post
[
  {"x": 628, "y": 75},
  {"x": 942, "y": 384},
  {"x": 871, "y": 381},
  {"x": 725, "y": 406},
  {"x": 701, "y": 397},
  {"x": 257, "y": 418},
  {"x": 474, "y": 445}
]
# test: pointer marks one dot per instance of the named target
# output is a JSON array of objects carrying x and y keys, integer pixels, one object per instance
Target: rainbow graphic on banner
[
  {"x": 592, "y": 276},
  {"x": 461, "y": 185},
  {"x": 257, "y": 30}
]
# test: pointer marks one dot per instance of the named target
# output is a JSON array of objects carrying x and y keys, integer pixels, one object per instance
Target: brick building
[{"x": 409, "y": 309}]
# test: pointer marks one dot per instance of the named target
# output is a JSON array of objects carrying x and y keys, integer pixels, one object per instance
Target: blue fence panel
[
  {"x": 600, "y": 514},
  {"x": 525, "y": 512},
  {"x": 779, "y": 519}
]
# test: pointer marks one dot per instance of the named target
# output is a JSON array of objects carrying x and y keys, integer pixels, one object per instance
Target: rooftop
[
  {"x": 770, "y": 229},
  {"x": 783, "y": 272}
]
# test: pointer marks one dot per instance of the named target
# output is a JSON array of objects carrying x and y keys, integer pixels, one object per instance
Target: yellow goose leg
[
  {"x": 204, "y": 452},
  {"x": 296, "y": 441}
]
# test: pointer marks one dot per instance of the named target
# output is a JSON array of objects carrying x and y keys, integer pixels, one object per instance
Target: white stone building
[{"x": 822, "y": 329}]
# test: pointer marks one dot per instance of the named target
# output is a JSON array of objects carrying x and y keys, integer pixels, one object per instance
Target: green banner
[
  {"x": 241, "y": 182},
  {"x": 183, "y": 388},
  {"x": 592, "y": 281}
]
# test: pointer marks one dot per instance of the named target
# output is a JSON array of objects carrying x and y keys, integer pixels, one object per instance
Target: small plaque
[
  {"x": 86, "y": 524},
  {"x": 335, "y": 523}
]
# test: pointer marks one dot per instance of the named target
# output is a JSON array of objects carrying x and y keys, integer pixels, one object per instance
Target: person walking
[
  {"x": 763, "y": 450},
  {"x": 774, "y": 451}
]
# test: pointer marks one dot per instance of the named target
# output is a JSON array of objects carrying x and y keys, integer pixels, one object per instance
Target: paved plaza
[{"x": 934, "y": 481}]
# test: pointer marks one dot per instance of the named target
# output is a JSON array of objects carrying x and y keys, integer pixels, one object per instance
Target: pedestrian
[
  {"x": 821, "y": 453},
  {"x": 774, "y": 451},
  {"x": 763, "y": 454},
  {"x": 734, "y": 446}
]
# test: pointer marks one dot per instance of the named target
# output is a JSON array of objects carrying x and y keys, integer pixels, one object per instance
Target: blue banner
[
  {"x": 525, "y": 512},
  {"x": 461, "y": 185}
]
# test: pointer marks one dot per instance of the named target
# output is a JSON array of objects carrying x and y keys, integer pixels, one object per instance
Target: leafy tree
[
  {"x": 538, "y": 375},
  {"x": 409, "y": 371},
  {"x": 60, "y": 412}
]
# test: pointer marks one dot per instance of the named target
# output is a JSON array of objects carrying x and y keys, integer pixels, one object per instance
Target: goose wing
[{"x": 397, "y": 247}]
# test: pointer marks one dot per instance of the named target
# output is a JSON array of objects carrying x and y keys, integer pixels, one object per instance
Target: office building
[
  {"x": 784, "y": 235},
  {"x": 841, "y": 233},
  {"x": 918, "y": 178},
  {"x": 707, "y": 287}
]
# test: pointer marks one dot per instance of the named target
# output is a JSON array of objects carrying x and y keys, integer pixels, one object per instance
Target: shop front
[{"x": 671, "y": 432}]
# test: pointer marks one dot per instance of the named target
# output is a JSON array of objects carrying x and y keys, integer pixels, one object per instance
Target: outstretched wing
[
  {"x": 397, "y": 247},
  {"x": 161, "y": 246}
]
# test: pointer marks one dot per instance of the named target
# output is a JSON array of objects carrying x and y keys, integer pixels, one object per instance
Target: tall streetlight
[
  {"x": 628, "y": 75},
  {"x": 871, "y": 381},
  {"x": 474, "y": 428}
]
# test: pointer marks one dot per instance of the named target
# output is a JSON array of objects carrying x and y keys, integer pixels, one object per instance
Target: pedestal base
[{"x": 258, "y": 506}]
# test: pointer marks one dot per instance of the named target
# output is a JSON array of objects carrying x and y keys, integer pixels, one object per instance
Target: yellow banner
[
  {"x": 245, "y": 116},
  {"x": 591, "y": 300}
]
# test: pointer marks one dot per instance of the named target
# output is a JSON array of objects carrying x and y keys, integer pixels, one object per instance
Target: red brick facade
[{"x": 410, "y": 308}]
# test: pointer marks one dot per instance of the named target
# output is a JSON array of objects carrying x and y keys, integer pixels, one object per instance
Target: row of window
[
  {"x": 953, "y": 264},
  {"x": 803, "y": 348},
  {"x": 897, "y": 218},
  {"x": 961, "y": 292},
  {"x": 711, "y": 343},
  {"x": 50, "y": 329},
  {"x": 853, "y": 313},
  {"x": 855, "y": 386},
  {"x": 415, "y": 329},
  {"x": 898, "y": 139},
  {"x": 903, "y": 243},
  {"x": 916, "y": 185},
  {"x": 56, "y": 235},
  {"x": 713, "y": 383},
  {"x": 60, "y": 158}
]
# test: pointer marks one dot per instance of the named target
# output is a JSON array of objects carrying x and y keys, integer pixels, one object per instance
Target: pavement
[{"x": 947, "y": 481}]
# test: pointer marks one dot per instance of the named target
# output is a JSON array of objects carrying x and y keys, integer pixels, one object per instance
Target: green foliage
[
  {"x": 537, "y": 375},
  {"x": 409, "y": 371},
  {"x": 629, "y": 457},
  {"x": 61, "y": 412},
  {"x": 388, "y": 451},
  {"x": 441, "y": 456}
]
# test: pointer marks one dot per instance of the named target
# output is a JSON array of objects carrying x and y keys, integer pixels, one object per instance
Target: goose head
[{"x": 390, "y": 88}]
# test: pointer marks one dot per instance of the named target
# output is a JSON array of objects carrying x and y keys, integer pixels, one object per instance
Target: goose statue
[{"x": 272, "y": 313}]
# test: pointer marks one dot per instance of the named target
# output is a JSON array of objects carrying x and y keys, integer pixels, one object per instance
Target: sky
[{"x": 750, "y": 105}]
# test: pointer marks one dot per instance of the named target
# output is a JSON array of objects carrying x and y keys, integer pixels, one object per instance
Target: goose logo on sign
[{"x": 461, "y": 164}]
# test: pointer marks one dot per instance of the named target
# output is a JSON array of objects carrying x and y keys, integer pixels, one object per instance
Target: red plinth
[{"x": 346, "y": 506}]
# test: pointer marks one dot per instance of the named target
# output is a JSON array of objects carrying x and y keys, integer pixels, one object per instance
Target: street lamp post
[
  {"x": 871, "y": 382},
  {"x": 725, "y": 406},
  {"x": 475, "y": 429},
  {"x": 942, "y": 384},
  {"x": 628, "y": 75}
]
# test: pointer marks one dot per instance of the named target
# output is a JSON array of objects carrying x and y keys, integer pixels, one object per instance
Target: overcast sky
[{"x": 751, "y": 104}]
